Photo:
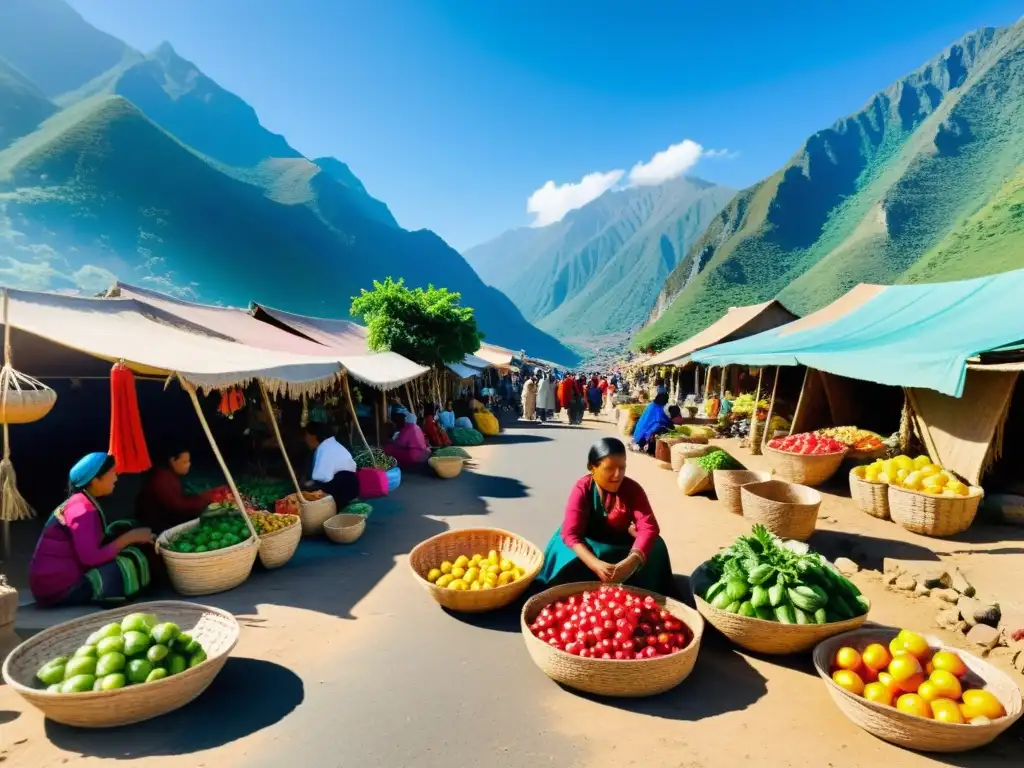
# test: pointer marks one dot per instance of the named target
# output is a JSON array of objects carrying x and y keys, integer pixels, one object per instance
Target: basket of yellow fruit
[
  {"x": 912, "y": 691},
  {"x": 475, "y": 569},
  {"x": 279, "y": 537},
  {"x": 927, "y": 499}
]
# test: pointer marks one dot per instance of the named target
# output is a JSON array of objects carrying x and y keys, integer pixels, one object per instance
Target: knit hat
[{"x": 87, "y": 468}]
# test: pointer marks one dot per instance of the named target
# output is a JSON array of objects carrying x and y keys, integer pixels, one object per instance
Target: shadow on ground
[
  {"x": 867, "y": 551},
  {"x": 247, "y": 696},
  {"x": 7, "y": 716}
]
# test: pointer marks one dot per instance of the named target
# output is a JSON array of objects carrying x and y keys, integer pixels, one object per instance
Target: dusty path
[{"x": 344, "y": 661}]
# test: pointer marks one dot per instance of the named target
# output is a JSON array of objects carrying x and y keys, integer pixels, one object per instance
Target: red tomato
[
  {"x": 609, "y": 625},
  {"x": 639, "y": 655},
  {"x": 619, "y": 637},
  {"x": 651, "y": 641},
  {"x": 584, "y": 653},
  {"x": 598, "y": 632},
  {"x": 664, "y": 649},
  {"x": 650, "y": 652},
  {"x": 565, "y": 637},
  {"x": 581, "y": 637},
  {"x": 620, "y": 655},
  {"x": 679, "y": 640},
  {"x": 573, "y": 600},
  {"x": 573, "y": 648},
  {"x": 646, "y": 629},
  {"x": 664, "y": 638},
  {"x": 553, "y": 642},
  {"x": 606, "y": 645},
  {"x": 628, "y": 646}
]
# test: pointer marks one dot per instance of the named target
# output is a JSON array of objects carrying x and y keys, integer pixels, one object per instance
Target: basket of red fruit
[
  {"x": 806, "y": 458},
  {"x": 611, "y": 640}
]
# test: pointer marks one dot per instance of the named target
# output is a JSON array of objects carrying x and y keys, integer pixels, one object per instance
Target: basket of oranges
[{"x": 913, "y": 691}]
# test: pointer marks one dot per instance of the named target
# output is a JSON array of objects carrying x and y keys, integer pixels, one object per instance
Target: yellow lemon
[
  {"x": 434, "y": 575},
  {"x": 461, "y": 561},
  {"x": 860, "y": 471},
  {"x": 934, "y": 481},
  {"x": 475, "y": 586},
  {"x": 445, "y": 580},
  {"x": 505, "y": 578},
  {"x": 520, "y": 572},
  {"x": 958, "y": 488},
  {"x": 446, "y": 567},
  {"x": 901, "y": 475},
  {"x": 487, "y": 585},
  {"x": 493, "y": 568},
  {"x": 458, "y": 571},
  {"x": 475, "y": 559},
  {"x": 492, "y": 557},
  {"x": 903, "y": 462},
  {"x": 921, "y": 461},
  {"x": 506, "y": 565},
  {"x": 490, "y": 578},
  {"x": 912, "y": 481}
]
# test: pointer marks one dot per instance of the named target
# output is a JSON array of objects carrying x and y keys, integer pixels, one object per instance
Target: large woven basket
[
  {"x": 933, "y": 515},
  {"x": 870, "y": 498},
  {"x": 469, "y": 541},
  {"x": 807, "y": 469},
  {"x": 680, "y": 452},
  {"x": 215, "y": 629},
  {"x": 446, "y": 466},
  {"x": 345, "y": 528},
  {"x": 612, "y": 677},
  {"x": 206, "y": 573},
  {"x": 728, "y": 483},
  {"x": 315, "y": 513},
  {"x": 278, "y": 547},
  {"x": 758, "y": 635},
  {"x": 24, "y": 406},
  {"x": 788, "y": 510},
  {"x": 912, "y": 732}
]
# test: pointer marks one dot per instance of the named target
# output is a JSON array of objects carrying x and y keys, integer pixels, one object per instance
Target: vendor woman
[
  {"x": 609, "y": 532},
  {"x": 163, "y": 503},
  {"x": 334, "y": 469},
  {"x": 80, "y": 558}
]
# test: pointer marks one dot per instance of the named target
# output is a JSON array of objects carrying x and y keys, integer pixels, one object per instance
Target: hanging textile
[
  {"x": 231, "y": 401},
  {"x": 127, "y": 442}
]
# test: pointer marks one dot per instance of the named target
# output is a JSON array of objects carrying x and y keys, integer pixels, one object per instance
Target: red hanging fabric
[{"x": 127, "y": 442}]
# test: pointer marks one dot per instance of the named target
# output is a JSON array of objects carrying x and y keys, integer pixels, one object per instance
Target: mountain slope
[
  {"x": 865, "y": 200},
  {"x": 598, "y": 270},
  {"x": 101, "y": 191},
  {"x": 22, "y": 105}
]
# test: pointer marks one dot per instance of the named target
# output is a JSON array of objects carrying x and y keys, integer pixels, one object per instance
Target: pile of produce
[
  {"x": 611, "y": 623},
  {"x": 743, "y": 405},
  {"x": 375, "y": 458},
  {"x": 761, "y": 577},
  {"x": 914, "y": 474},
  {"x": 358, "y": 508},
  {"x": 716, "y": 458},
  {"x": 916, "y": 680},
  {"x": 729, "y": 428},
  {"x": 807, "y": 444},
  {"x": 463, "y": 436},
  {"x": 268, "y": 522},
  {"x": 139, "y": 649},
  {"x": 475, "y": 572},
  {"x": 452, "y": 450},
  {"x": 699, "y": 430},
  {"x": 214, "y": 532},
  {"x": 262, "y": 492},
  {"x": 853, "y": 438}
]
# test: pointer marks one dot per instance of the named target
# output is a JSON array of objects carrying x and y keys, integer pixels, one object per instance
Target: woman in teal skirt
[{"x": 609, "y": 530}]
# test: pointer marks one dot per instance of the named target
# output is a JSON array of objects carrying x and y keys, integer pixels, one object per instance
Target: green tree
[{"x": 426, "y": 325}]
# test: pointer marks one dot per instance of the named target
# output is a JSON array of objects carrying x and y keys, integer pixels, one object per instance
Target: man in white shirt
[{"x": 334, "y": 469}]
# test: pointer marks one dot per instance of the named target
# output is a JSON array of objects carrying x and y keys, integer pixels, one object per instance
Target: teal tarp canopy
[{"x": 907, "y": 335}]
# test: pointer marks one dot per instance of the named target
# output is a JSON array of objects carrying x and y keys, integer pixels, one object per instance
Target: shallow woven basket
[
  {"x": 804, "y": 469},
  {"x": 469, "y": 541},
  {"x": 933, "y": 515},
  {"x": 314, "y": 514},
  {"x": 24, "y": 406},
  {"x": 446, "y": 466},
  {"x": 758, "y": 635},
  {"x": 612, "y": 677},
  {"x": 912, "y": 732},
  {"x": 344, "y": 528},
  {"x": 788, "y": 510},
  {"x": 215, "y": 629},
  {"x": 728, "y": 483},
  {"x": 870, "y": 498},
  {"x": 278, "y": 547},
  {"x": 680, "y": 452},
  {"x": 206, "y": 573}
]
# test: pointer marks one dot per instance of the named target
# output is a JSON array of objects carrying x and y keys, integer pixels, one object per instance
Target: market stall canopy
[
  {"x": 152, "y": 341},
  {"x": 496, "y": 357},
  {"x": 463, "y": 371},
  {"x": 472, "y": 361},
  {"x": 904, "y": 335},
  {"x": 737, "y": 323},
  {"x": 383, "y": 370}
]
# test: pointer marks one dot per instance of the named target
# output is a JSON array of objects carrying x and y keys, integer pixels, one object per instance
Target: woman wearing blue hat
[{"x": 80, "y": 558}]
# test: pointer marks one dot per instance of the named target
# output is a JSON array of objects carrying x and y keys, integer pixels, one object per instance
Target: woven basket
[
  {"x": 933, "y": 515},
  {"x": 612, "y": 677},
  {"x": 870, "y": 498},
  {"x": 206, "y": 573},
  {"x": 728, "y": 482},
  {"x": 446, "y": 466},
  {"x": 680, "y": 452},
  {"x": 344, "y": 529},
  {"x": 468, "y": 541},
  {"x": 758, "y": 635},
  {"x": 661, "y": 452},
  {"x": 804, "y": 469},
  {"x": 278, "y": 547},
  {"x": 24, "y": 406},
  {"x": 912, "y": 732},
  {"x": 315, "y": 513},
  {"x": 788, "y": 510},
  {"x": 217, "y": 630}
]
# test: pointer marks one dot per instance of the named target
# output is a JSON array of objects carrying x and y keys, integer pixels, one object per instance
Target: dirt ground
[{"x": 345, "y": 661}]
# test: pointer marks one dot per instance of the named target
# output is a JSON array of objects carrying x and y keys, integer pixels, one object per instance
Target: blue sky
[{"x": 455, "y": 111}]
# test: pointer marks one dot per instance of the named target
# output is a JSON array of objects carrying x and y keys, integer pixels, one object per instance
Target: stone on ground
[
  {"x": 976, "y": 612},
  {"x": 846, "y": 566},
  {"x": 984, "y": 636},
  {"x": 946, "y": 595},
  {"x": 906, "y": 582}
]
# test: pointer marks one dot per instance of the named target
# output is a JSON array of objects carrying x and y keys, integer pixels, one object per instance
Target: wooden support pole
[
  {"x": 352, "y": 407},
  {"x": 799, "y": 401},
  {"x": 277, "y": 433},
  {"x": 771, "y": 410},
  {"x": 755, "y": 438}
]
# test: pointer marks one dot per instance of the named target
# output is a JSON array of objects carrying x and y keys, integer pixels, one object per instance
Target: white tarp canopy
[
  {"x": 151, "y": 341},
  {"x": 463, "y": 371},
  {"x": 494, "y": 356}
]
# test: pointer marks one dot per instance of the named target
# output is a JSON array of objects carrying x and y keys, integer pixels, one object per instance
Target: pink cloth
[
  {"x": 629, "y": 505},
  {"x": 373, "y": 483},
  {"x": 65, "y": 552},
  {"x": 409, "y": 447}
]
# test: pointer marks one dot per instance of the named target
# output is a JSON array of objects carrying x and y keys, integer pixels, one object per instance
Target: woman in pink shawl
[{"x": 409, "y": 445}]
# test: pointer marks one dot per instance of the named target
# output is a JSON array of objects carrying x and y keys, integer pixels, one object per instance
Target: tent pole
[
  {"x": 755, "y": 438},
  {"x": 277, "y": 433},
  {"x": 220, "y": 459},
  {"x": 771, "y": 410},
  {"x": 800, "y": 400},
  {"x": 352, "y": 407},
  {"x": 408, "y": 394},
  {"x": 721, "y": 389},
  {"x": 382, "y": 415}
]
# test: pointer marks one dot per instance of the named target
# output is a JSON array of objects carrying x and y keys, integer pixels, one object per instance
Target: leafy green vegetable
[
  {"x": 718, "y": 459},
  {"x": 453, "y": 450}
]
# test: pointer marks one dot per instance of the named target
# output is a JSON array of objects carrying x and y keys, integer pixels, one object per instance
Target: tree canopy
[{"x": 428, "y": 326}]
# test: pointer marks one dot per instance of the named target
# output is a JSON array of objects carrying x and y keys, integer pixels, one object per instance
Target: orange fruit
[
  {"x": 903, "y": 667},
  {"x": 867, "y": 674},
  {"x": 849, "y": 680},
  {"x": 847, "y": 658},
  {"x": 916, "y": 645},
  {"x": 896, "y": 644},
  {"x": 876, "y": 656},
  {"x": 878, "y": 693},
  {"x": 950, "y": 662},
  {"x": 979, "y": 703},
  {"x": 912, "y": 704},
  {"x": 946, "y": 711},
  {"x": 929, "y": 691},
  {"x": 913, "y": 684},
  {"x": 946, "y": 683},
  {"x": 886, "y": 679}
]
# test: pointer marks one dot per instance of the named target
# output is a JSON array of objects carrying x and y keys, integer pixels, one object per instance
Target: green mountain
[
  {"x": 22, "y": 105},
  {"x": 598, "y": 270},
  {"x": 923, "y": 184}
]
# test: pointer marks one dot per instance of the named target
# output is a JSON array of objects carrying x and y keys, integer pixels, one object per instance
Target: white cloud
[
  {"x": 552, "y": 201},
  {"x": 667, "y": 164},
  {"x": 723, "y": 154}
]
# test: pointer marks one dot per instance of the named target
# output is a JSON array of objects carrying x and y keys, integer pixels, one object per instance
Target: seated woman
[
  {"x": 609, "y": 530},
  {"x": 80, "y": 558},
  {"x": 447, "y": 416},
  {"x": 652, "y": 422},
  {"x": 162, "y": 503},
  {"x": 409, "y": 445},
  {"x": 675, "y": 415},
  {"x": 436, "y": 436},
  {"x": 334, "y": 469}
]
